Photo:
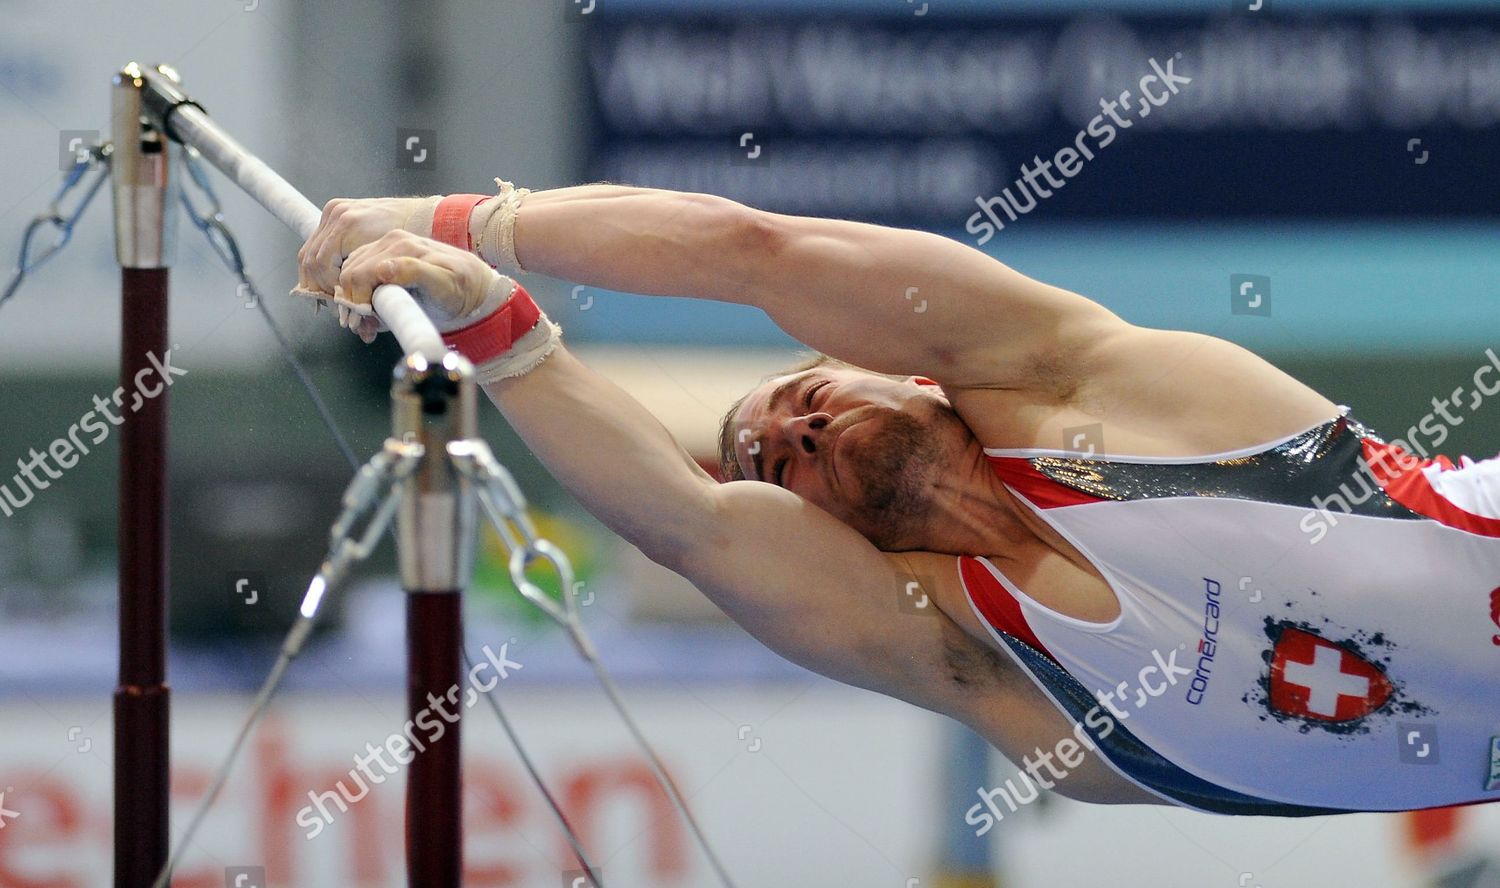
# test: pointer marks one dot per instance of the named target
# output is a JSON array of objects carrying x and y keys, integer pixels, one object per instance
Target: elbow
[
  {"x": 758, "y": 234},
  {"x": 747, "y": 242},
  {"x": 679, "y": 539},
  {"x": 701, "y": 537},
  {"x": 684, "y": 557}
]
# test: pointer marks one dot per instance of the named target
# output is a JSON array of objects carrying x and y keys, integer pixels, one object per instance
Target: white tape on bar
[{"x": 396, "y": 307}]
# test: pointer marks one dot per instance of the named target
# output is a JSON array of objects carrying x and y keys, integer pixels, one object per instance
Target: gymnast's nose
[{"x": 805, "y": 433}]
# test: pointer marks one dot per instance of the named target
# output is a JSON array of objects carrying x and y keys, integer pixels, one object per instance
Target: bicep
[
  {"x": 911, "y": 302},
  {"x": 816, "y": 592}
]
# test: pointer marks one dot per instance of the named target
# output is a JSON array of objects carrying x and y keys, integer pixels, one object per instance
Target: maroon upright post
[
  {"x": 143, "y": 212},
  {"x": 434, "y": 797},
  {"x": 142, "y": 696},
  {"x": 433, "y": 405}
]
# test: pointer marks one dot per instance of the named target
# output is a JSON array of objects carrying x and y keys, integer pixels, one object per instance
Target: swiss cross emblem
[{"x": 1314, "y": 678}]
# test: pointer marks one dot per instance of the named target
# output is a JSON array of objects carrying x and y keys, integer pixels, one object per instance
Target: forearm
[
  {"x": 609, "y": 452},
  {"x": 815, "y": 277},
  {"x": 639, "y": 240}
]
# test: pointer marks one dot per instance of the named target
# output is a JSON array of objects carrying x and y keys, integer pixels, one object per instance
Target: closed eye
[{"x": 812, "y": 390}]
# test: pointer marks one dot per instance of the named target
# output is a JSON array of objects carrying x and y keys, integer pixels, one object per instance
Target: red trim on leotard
[
  {"x": 1399, "y": 474},
  {"x": 995, "y": 603},
  {"x": 1039, "y": 490}
]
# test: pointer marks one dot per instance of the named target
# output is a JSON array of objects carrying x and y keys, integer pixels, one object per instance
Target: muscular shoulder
[
  {"x": 1186, "y": 393},
  {"x": 1147, "y": 393}
]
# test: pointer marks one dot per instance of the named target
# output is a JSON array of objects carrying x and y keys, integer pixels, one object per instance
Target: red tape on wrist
[
  {"x": 450, "y": 221},
  {"x": 496, "y": 334}
]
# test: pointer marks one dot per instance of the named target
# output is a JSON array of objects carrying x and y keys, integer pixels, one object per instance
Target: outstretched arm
[
  {"x": 800, "y": 581},
  {"x": 970, "y": 322},
  {"x": 889, "y": 299},
  {"x": 892, "y": 300}
]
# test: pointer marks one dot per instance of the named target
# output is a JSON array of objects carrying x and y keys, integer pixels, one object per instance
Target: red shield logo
[{"x": 1314, "y": 678}]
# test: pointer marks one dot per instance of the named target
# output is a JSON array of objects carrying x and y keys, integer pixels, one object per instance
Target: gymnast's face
[{"x": 863, "y": 447}]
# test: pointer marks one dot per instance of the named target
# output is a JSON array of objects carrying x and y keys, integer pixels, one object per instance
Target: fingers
[
  {"x": 419, "y": 273},
  {"x": 351, "y": 277},
  {"x": 319, "y": 259},
  {"x": 359, "y": 276},
  {"x": 455, "y": 282},
  {"x": 450, "y": 282},
  {"x": 398, "y": 258},
  {"x": 330, "y": 209},
  {"x": 365, "y": 269},
  {"x": 367, "y": 328}
]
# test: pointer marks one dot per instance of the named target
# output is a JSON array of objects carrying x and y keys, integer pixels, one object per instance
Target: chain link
[
  {"x": 55, "y": 218},
  {"x": 375, "y": 491},
  {"x": 503, "y": 501},
  {"x": 210, "y": 219},
  {"x": 507, "y": 504}
]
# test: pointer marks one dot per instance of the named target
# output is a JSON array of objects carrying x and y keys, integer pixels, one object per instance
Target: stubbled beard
[{"x": 894, "y": 468}]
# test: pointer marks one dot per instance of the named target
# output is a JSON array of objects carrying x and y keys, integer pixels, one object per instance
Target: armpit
[{"x": 972, "y": 665}]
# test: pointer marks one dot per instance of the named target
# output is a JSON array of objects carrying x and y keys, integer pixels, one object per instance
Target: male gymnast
[{"x": 1247, "y": 603}]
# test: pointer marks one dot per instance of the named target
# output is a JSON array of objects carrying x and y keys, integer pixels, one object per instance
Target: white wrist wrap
[
  {"x": 510, "y": 337},
  {"x": 525, "y": 356},
  {"x": 492, "y": 228}
]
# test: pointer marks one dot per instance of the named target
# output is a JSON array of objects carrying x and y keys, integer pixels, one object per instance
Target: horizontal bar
[{"x": 190, "y": 125}]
